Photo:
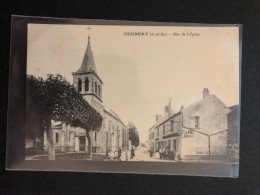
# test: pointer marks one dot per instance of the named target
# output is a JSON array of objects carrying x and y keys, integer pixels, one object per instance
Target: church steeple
[
  {"x": 88, "y": 63},
  {"x": 86, "y": 80}
]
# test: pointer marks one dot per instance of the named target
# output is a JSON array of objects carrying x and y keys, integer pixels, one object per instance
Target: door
[
  {"x": 175, "y": 145},
  {"x": 82, "y": 143}
]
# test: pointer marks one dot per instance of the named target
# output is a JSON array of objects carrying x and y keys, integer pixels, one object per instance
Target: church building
[{"x": 113, "y": 133}]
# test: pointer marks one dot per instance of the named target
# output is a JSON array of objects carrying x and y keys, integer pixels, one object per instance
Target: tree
[
  {"x": 55, "y": 99},
  {"x": 133, "y": 134}
]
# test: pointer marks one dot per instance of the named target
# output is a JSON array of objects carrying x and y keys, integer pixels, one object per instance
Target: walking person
[
  {"x": 157, "y": 155},
  {"x": 119, "y": 153},
  {"x": 164, "y": 153},
  {"x": 161, "y": 153},
  {"x": 151, "y": 152},
  {"x": 132, "y": 153}
]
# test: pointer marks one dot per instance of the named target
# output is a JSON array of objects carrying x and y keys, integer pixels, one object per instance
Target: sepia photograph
[
  {"x": 128, "y": 97},
  {"x": 132, "y": 93}
]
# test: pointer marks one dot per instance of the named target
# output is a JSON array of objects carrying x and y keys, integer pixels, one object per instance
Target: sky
[{"x": 142, "y": 73}]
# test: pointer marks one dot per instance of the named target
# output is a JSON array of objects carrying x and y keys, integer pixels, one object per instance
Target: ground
[
  {"x": 141, "y": 154},
  {"x": 68, "y": 156}
]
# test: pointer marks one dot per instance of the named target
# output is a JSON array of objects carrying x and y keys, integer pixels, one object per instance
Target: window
[
  {"x": 174, "y": 145},
  {"x": 172, "y": 126},
  {"x": 95, "y": 87},
  {"x": 79, "y": 85},
  {"x": 197, "y": 122},
  {"x": 163, "y": 129},
  {"x": 99, "y": 90},
  {"x": 69, "y": 136},
  {"x": 157, "y": 131},
  {"x": 95, "y": 136},
  {"x": 86, "y": 84},
  {"x": 57, "y": 137},
  {"x": 169, "y": 144}
]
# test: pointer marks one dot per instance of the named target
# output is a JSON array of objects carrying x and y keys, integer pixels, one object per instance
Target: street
[{"x": 142, "y": 154}]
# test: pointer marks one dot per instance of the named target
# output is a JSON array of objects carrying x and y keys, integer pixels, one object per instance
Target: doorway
[{"x": 82, "y": 143}]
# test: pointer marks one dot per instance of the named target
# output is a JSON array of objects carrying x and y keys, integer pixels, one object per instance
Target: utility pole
[{"x": 208, "y": 135}]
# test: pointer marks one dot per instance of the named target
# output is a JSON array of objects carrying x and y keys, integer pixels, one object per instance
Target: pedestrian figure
[
  {"x": 157, "y": 155},
  {"x": 161, "y": 153},
  {"x": 164, "y": 153},
  {"x": 132, "y": 153},
  {"x": 151, "y": 152},
  {"x": 119, "y": 153}
]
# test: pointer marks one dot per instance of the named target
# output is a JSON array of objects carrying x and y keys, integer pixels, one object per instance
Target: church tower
[{"x": 87, "y": 82}]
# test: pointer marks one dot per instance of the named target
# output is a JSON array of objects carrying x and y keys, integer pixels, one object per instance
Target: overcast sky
[{"x": 141, "y": 73}]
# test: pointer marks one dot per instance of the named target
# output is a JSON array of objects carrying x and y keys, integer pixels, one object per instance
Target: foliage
[
  {"x": 133, "y": 135},
  {"x": 54, "y": 98}
]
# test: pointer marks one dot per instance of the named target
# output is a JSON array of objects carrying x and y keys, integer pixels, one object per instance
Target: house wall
[
  {"x": 161, "y": 142},
  {"x": 212, "y": 115},
  {"x": 233, "y": 135}
]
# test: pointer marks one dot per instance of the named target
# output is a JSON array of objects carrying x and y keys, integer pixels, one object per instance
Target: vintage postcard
[{"x": 114, "y": 94}]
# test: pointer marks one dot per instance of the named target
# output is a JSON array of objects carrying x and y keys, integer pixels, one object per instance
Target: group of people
[
  {"x": 119, "y": 155},
  {"x": 165, "y": 154}
]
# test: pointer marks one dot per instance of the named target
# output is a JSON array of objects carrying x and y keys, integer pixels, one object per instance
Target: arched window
[
  {"x": 95, "y": 87},
  {"x": 57, "y": 137},
  {"x": 79, "y": 85},
  {"x": 86, "y": 84}
]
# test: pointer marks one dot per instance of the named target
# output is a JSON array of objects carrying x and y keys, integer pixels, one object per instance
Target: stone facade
[
  {"x": 195, "y": 132},
  {"x": 233, "y": 134},
  {"x": 167, "y": 132},
  {"x": 209, "y": 118}
]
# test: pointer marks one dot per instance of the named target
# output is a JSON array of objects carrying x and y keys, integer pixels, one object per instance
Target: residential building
[
  {"x": 195, "y": 132},
  {"x": 233, "y": 134}
]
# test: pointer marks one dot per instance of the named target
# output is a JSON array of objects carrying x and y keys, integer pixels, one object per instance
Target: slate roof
[
  {"x": 167, "y": 119},
  {"x": 88, "y": 63},
  {"x": 112, "y": 113}
]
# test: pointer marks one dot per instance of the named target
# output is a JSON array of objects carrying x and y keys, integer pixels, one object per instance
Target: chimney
[
  {"x": 166, "y": 111},
  {"x": 205, "y": 93},
  {"x": 158, "y": 116}
]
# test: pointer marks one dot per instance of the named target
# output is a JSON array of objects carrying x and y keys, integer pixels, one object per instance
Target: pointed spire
[{"x": 88, "y": 63}]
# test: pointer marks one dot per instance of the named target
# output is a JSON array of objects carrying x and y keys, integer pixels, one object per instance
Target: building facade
[
  {"x": 195, "y": 132},
  {"x": 233, "y": 134},
  {"x": 113, "y": 133}
]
